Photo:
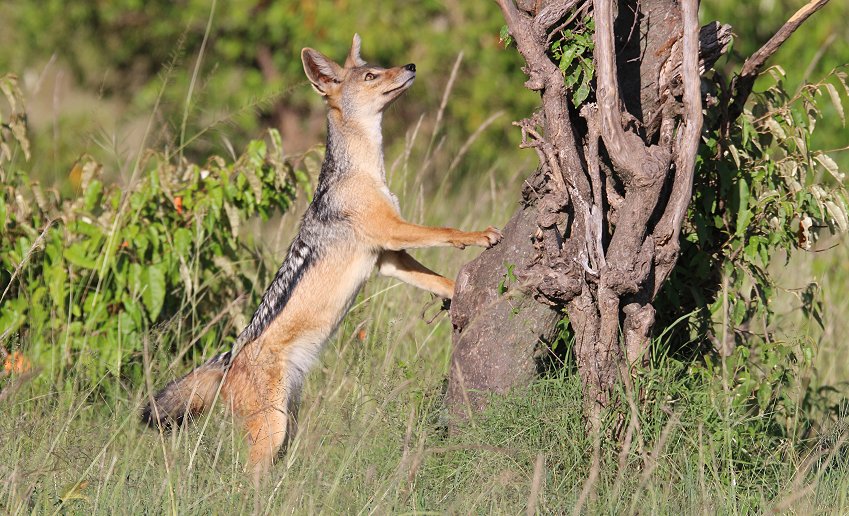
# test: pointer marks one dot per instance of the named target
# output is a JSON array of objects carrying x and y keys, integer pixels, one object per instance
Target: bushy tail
[{"x": 188, "y": 396}]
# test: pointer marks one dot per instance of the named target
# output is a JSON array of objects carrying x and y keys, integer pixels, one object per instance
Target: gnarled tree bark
[{"x": 598, "y": 229}]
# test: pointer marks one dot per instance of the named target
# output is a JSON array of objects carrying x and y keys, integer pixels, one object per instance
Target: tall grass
[{"x": 372, "y": 439}]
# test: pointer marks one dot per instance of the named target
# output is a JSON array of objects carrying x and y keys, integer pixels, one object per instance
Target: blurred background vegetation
[
  {"x": 105, "y": 81},
  {"x": 818, "y": 47},
  {"x": 92, "y": 71}
]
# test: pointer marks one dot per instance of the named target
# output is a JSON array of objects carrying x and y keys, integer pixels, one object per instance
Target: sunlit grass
[{"x": 372, "y": 439}]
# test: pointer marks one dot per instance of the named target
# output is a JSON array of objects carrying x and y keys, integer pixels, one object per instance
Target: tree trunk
[
  {"x": 598, "y": 232},
  {"x": 496, "y": 325}
]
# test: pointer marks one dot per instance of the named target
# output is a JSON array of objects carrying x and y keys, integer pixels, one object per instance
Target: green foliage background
[
  {"x": 118, "y": 49},
  {"x": 817, "y": 48}
]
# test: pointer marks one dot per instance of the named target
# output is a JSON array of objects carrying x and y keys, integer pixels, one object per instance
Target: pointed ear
[
  {"x": 321, "y": 71},
  {"x": 354, "y": 58}
]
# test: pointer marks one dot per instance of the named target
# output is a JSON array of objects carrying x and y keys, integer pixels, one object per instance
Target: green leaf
[
  {"x": 738, "y": 312},
  {"x": 76, "y": 254},
  {"x": 751, "y": 249},
  {"x": 808, "y": 354},
  {"x": 508, "y": 278},
  {"x": 505, "y": 37},
  {"x": 835, "y": 101},
  {"x": 744, "y": 215},
  {"x": 153, "y": 294},
  {"x": 734, "y": 154},
  {"x": 573, "y": 78},
  {"x": 838, "y": 213},
  {"x": 233, "y": 218},
  {"x": 764, "y": 394},
  {"x": 775, "y": 128},
  {"x": 56, "y": 277},
  {"x": 582, "y": 92},
  {"x": 567, "y": 58},
  {"x": 92, "y": 195},
  {"x": 183, "y": 241},
  {"x": 830, "y": 165}
]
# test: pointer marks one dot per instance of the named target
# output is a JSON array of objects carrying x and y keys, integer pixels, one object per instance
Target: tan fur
[
  {"x": 259, "y": 384},
  {"x": 402, "y": 266},
  {"x": 262, "y": 385},
  {"x": 257, "y": 387}
]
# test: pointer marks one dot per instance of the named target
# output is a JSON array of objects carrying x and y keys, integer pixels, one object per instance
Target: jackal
[{"x": 352, "y": 224}]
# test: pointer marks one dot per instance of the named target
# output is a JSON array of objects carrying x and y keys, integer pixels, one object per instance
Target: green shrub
[
  {"x": 84, "y": 280},
  {"x": 761, "y": 192}
]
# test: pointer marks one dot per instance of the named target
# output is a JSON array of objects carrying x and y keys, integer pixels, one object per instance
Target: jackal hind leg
[
  {"x": 257, "y": 389},
  {"x": 268, "y": 431}
]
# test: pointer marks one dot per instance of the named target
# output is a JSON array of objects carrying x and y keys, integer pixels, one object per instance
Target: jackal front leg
[
  {"x": 400, "y": 265},
  {"x": 390, "y": 232}
]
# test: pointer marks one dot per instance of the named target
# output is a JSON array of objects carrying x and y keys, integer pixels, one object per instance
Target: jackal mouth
[{"x": 401, "y": 87}]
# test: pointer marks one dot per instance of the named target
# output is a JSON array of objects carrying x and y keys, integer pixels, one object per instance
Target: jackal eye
[{"x": 370, "y": 77}]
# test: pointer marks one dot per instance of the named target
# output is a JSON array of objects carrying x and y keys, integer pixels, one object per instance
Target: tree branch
[
  {"x": 742, "y": 85},
  {"x": 520, "y": 26},
  {"x": 627, "y": 150},
  {"x": 549, "y": 15},
  {"x": 596, "y": 212},
  {"x": 668, "y": 230},
  {"x": 714, "y": 40},
  {"x": 544, "y": 76},
  {"x": 688, "y": 142},
  {"x": 641, "y": 167}
]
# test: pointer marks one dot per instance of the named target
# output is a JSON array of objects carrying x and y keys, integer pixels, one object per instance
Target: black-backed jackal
[{"x": 352, "y": 225}]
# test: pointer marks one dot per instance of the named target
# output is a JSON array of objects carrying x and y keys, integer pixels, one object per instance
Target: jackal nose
[{"x": 411, "y": 67}]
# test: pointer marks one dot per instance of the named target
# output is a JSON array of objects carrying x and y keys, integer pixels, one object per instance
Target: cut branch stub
[
  {"x": 741, "y": 86},
  {"x": 496, "y": 328}
]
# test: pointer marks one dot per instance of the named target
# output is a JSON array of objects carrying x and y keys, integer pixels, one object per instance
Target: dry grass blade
[
  {"x": 797, "y": 491},
  {"x": 33, "y": 248},
  {"x": 536, "y": 485},
  {"x": 470, "y": 414},
  {"x": 15, "y": 385},
  {"x": 438, "y": 124},
  {"x": 652, "y": 460},
  {"x": 179, "y": 356},
  {"x": 624, "y": 453},
  {"x": 471, "y": 139},
  {"x": 592, "y": 477}
]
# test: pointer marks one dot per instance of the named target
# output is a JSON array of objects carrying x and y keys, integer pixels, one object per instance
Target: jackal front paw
[
  {"x": 486, "y": 238},
  {"x": 492, "y": 236}
]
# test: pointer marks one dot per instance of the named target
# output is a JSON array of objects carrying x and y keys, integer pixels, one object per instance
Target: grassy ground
[
  {"x": 372, "y": 439},
  {"x": 828, "y": 268}
]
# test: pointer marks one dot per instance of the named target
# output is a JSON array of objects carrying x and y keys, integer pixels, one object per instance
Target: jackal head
[{"x": 357, "y": 90}]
